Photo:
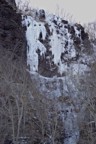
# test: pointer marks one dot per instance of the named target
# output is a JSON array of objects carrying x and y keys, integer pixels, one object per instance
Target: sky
[{"x": 82, "y": 11}]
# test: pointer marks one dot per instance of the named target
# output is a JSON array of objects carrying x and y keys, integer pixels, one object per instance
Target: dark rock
[
  {"x": 42, "y": 14},
  {"x": 77, "y": 41},
  {"x": 55, "y": 22},
  {"x": 47, "y": 29},
  {"x": 79, "y": 27},
  {"x": 71, "y": 30},
  {"x": 12, "y": 34},
  {"x": 84, "y": 35},
  {"x": 64, "y": 22},
  {"x": 12, "y": 3}
]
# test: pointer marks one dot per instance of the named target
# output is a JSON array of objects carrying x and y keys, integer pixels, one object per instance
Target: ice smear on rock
[
  {"x": 58, "y": 42},
  {"x": 32, "y": 35},
  {"x": 55, "y": 42}
]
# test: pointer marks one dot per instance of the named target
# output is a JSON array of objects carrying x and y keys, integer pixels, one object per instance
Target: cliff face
[
  {"x": 57, "y": 53},
  {"x": 12, "y": 35},
  {"x": 54, "y": 45},
  {"x": 11, "y": 3}
]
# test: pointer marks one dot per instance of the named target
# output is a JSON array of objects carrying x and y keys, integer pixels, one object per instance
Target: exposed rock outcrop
[
  {"x": 58, "y": 54},
  {"x": 54, "y": 44},
  {"x": 12, "y": 3},
  {"x": 12, "y": 35},
  {"x": 54, "y": 48}
]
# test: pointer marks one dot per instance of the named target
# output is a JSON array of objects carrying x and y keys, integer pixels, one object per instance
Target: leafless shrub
[
  {"x": 91, "y": 30},
  {"x": 24, "y": 112},
  {"x": 60, "y": 12},
  {"x": 88, "y": 122}
]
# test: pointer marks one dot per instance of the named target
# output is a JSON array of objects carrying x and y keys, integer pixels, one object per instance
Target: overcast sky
[{"x": 83, "y": 11}]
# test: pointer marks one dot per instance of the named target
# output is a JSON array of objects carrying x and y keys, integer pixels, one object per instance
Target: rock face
[
  {"x": 65, "y": 92},
  {"x": 58, "y": 54},
  {"x": 54, "y": 44},
  {"x": 12, "y": 3},
  {"x": 54, "y": 48},
  {"x": 12, "y": 35}
]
